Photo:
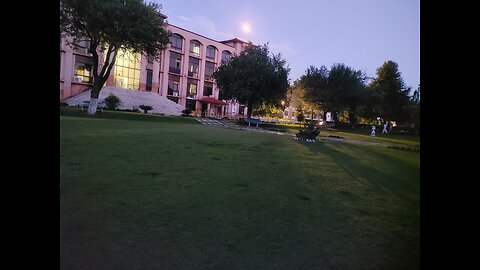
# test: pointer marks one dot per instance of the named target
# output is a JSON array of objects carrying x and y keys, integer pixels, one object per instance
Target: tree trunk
[
  {"x": 249, "y": 109},
  {"x": 92, "y": 108}
]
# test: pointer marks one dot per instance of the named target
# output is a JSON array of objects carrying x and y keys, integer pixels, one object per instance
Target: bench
[
  {"x": 85, "y": 104},
  {"x": 253, "y": 121}
]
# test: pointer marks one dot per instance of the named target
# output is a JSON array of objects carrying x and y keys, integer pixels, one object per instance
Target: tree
[
  {"x": 392, "y": 91},
  {"x": 338, "y": 89},
  {"x": 111, "y": 26},
  {"x": 253, "y": 78},
  {"x": 348, "y": 91}
]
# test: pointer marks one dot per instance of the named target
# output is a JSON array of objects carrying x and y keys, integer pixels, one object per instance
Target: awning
[{"x": 212, "y": 100}]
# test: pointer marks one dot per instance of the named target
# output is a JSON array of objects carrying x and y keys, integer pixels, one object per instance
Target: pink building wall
[{"x": 160, "y": 78}]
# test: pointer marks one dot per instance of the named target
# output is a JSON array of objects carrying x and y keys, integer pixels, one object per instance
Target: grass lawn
[{"x": 150, "y": 192}]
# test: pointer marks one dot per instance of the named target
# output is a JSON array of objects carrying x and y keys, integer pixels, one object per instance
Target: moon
[{"x": 246, "y": 28}]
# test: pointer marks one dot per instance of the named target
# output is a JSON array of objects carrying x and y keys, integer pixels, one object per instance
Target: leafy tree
[
  {"x": 253, "y": 78},
  {"x": 338, "y": 89},
  {"x": 110, "y": 26},
  {"x": 296, "y": 97},
  {"x": 316, "y": 88},
  {"x": 394, "y": 96},
  {"x": 348, "y": 92}
]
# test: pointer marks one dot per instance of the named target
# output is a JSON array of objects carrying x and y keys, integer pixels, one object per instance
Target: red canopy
[{"x": 212, "y": 100}]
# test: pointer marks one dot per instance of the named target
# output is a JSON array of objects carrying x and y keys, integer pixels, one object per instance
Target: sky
[{"x": 362, "y": 34}]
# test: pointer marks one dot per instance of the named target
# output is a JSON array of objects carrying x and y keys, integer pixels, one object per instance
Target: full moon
[{"x": 246, "y": 28}]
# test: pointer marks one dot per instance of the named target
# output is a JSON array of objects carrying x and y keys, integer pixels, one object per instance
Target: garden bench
[{"x": 253, "y": 121}]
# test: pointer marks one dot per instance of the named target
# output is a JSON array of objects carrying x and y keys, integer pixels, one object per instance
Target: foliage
[
  {"x": 310, "y": 132},
  {"x": 253, "y": 78},
  {"x": 145, "y": 108},
  {"x": 269, "y": 111},
  {"x": 63, "y": 104},
  {"x": 111, "y": 26},
  {"x": 393, "y": 94},
  {"x": 186, "y": 112},
  {"x": 112, "y": 102}
]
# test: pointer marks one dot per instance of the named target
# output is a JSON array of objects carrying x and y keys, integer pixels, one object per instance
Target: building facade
[{"x": 183, "y": 73}]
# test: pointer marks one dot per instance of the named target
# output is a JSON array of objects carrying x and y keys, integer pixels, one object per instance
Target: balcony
[{"x": 174, "y": 70}]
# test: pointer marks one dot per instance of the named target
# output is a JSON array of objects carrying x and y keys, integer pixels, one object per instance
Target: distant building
[{"x": 183, "y": 74}]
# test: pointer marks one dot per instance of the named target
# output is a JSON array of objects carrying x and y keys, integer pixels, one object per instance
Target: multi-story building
[{"x": 183, "y": 73}]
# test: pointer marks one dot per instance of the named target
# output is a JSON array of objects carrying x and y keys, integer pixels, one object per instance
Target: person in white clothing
[
  {"x": 385, "y": 129},
  {"x": 373, "y": 131}
]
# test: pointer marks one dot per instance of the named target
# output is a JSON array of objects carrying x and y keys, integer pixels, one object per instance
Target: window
[
  {"x": 192, "y": 88},
  {"x": 226, "y": 55},
  {"x": 83, "y": 69},
  {"x": 175, "y": 62},
  {"x": 195, "y": 48},
  {"x": 190, "y": 104},
  {"x": 83, "y": 43},
  {"x": 209, "y": 69},
  {"x": 149, "y": 80},
  {"x": 173, "y": 85},
  {"x": 127, "y": 70},
  {"x": 211, "y": 52},
  {"x": 193, "y": 67},
  {"x": 176, "y": 41},
  {"x": 208, "y": 89}
]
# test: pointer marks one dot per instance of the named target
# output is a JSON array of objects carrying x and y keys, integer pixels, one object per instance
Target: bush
[
  {"x": 63, "y": 104},
  {"x": 145, "y": 108},
  {"x": 112, "y": 102},
  {"x": 186, "y": 112}
]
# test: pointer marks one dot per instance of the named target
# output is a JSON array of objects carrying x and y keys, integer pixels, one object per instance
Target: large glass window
[
  {"x": 149, "y": 80},
  {"x": 209, "y": 69},
  {"x": 192, "y": 88},
  {"x": 83, "y": 69},
  {"x": 226, "y": 55},
  {"x": 211, "y": 52},
  {"x": 176, "y": 41},
  {"x": 173, "y": 85},
  {"x": 127, "y": 70},
  {"x": 195, "y": 48},
  {"x": 193, "y": 67},
  {"x": 208, "y": 89},
  {"x": 175, "y": 62}
]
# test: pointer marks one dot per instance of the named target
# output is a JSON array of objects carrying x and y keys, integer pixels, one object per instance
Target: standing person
[
  {"x": 385, "y": 128},
  {"x": 373, "y": 131}
]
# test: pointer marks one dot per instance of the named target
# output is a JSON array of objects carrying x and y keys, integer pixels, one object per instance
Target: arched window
[
  {"x": 226, "y": 55},
  {"x": 176, "y": 42},
  {"x": 195, "y": 48},
  {"x": 211, "y": 50}
]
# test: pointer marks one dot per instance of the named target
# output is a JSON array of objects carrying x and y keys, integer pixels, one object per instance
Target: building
[{"x": 183, "y": 73}]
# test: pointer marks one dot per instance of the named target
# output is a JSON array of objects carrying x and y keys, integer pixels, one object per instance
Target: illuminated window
[
  {"x": 192, "y": 88},
  {"x": 83, "y": 69},
  {"x": 193, "y": 67},
  {"x": 127, "y": 70},
  {"x": 195, "y": 48}
]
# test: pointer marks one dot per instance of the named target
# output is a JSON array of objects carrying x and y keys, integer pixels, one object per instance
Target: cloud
[
  {"x": 285, "y": 48},
  {"x": 203, "y": 26}
]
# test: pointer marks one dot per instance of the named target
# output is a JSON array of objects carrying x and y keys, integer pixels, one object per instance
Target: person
[
  {"x": 385, "y": 128},
  {"x": 373, "y": 131}
]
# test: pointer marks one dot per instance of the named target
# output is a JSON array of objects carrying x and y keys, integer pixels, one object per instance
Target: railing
[{"x": 174, "y": 70}]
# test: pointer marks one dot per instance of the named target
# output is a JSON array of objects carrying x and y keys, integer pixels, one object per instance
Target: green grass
[
  {"x": 138, "y": 193},
  {"x": 361, "y": 135}
]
